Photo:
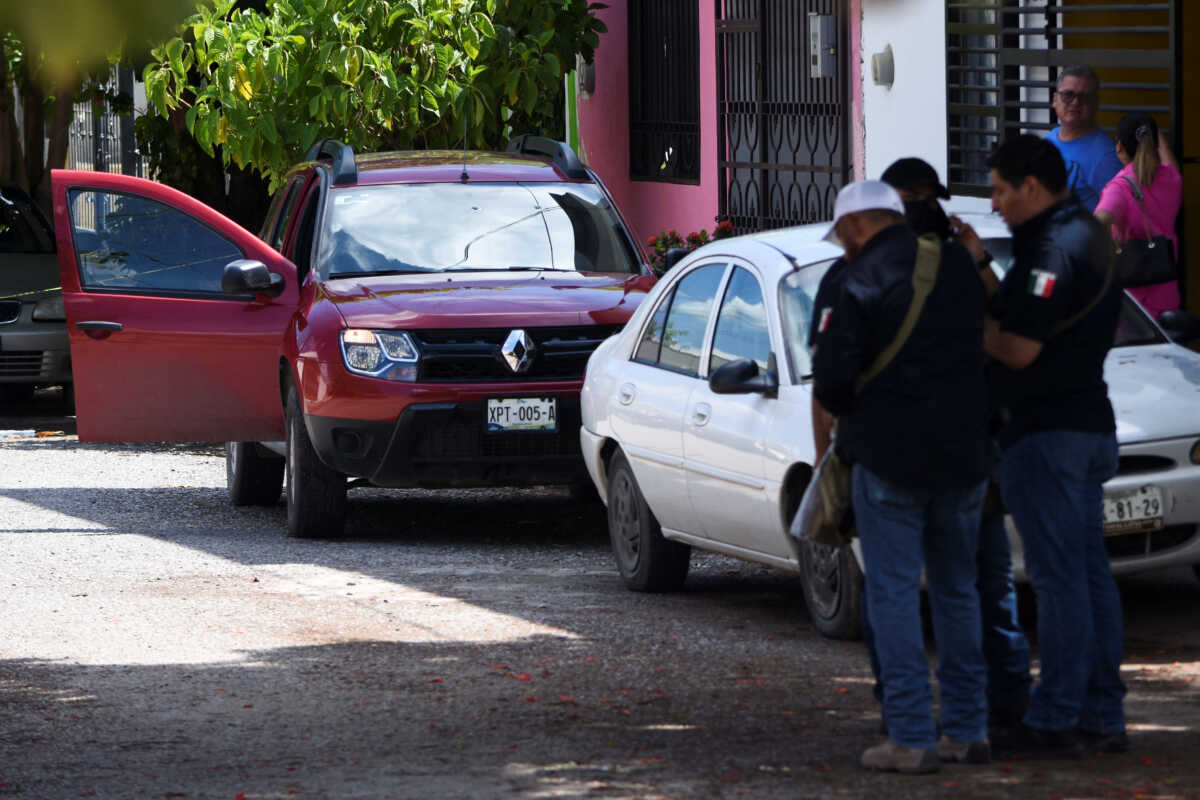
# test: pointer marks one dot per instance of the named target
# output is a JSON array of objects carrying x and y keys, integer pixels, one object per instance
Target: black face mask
[{"x": 928, "y": 217}]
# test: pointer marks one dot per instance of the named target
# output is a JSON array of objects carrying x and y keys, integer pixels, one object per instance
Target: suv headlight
[
  {"x": 50, "y": 309},
  {"x": 390, "y": 355}
]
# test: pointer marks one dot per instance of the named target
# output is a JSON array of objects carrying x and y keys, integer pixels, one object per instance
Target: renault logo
[{"x": 518, "y": 350}]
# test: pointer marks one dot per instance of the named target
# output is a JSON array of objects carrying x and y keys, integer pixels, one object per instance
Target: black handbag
[{"x": 1141, "y": 262}]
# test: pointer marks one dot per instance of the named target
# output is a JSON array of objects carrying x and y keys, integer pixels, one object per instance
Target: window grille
[
  {"x": 1003, "y": 60},
  {"x": 664, "y": 91}
]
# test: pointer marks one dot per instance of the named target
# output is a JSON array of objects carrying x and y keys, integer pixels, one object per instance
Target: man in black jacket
[
  {"x": 1052, "y": 322},
  {"x": 917, "y": 436}
]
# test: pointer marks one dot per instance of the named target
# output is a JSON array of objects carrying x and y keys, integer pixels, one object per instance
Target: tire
[
  {"x": 316, "y": 494},
  {"x": 647, "y": 562},
  {"x": 832, "y": 590},
  {"x": 253, "y": 479}
]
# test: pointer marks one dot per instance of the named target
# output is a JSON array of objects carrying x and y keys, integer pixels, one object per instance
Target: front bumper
[
  {"x": 34, "y": 353},
  {"x": 1166, "y": 464},
  {"x": 445, "y": 445}
]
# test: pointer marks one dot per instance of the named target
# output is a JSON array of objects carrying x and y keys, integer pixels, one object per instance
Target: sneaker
[
  {"x": 964, "y": 752},
  {"x": 892, "y": 757},
  {"x": 1096, "y": 742},
  {"x": 1034, "y": 743}
]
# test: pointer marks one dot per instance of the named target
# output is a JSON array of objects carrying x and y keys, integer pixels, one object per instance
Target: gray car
[{"x": 33, "y": 328}]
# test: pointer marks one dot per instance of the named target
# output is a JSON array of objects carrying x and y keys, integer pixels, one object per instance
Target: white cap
[{"x": 863, "y": 196}]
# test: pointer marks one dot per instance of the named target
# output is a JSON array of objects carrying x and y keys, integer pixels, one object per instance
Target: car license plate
[
  {"x": 1139, "y": 510},
  {"x": 522, "y": 414}
]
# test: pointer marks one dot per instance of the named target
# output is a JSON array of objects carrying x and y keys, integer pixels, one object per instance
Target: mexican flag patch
[
  {"x": 826, "y": 313},
  {"x": 1041, "y": 283}
]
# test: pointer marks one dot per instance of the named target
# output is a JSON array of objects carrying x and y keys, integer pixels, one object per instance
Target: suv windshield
[{"x": 441, "y": 227}]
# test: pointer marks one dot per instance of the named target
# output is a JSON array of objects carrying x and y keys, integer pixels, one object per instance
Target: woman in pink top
[{"x": 1150, "y": 163}]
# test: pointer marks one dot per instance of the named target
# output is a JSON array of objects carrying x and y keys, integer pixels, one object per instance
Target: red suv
[{"x": 417, "y": 319}]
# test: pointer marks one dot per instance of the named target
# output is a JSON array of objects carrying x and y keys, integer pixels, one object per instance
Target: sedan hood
[
  {"x": 485, "y": 299},
  {"x": 1155, "y": 392},
  {"x": 24, "y": 273}
]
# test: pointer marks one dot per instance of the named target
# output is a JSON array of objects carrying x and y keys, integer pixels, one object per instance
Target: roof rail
[
  {"x": 345, "y": 171},
  {"x": 561, "y": 153}
]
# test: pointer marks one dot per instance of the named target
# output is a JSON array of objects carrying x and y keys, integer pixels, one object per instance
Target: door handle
[
  {"x": 701, "y": 414},
  {"x": 626, "y": 393},
  {"x": 99, "y": 325}
]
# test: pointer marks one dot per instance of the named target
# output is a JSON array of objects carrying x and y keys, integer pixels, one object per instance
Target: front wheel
[
  {"x": 316, "y": 494},
  {"x": 832, "y": 589},
  {"x": 647, "y": 561},
  {"x": 253, "y": 479}
]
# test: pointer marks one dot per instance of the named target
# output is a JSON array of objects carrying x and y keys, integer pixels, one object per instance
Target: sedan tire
[
  {"x": 647, "y": 561},
  {"x": 832, "y": 590},
  {"x": 253, "y": 479},
  {"x": 316, "y": 494}
]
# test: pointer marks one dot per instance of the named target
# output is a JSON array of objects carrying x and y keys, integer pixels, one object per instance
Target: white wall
[{"x": 909, "y": 119}]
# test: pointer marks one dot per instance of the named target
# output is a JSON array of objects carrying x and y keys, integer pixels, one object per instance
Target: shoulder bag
[
  {"x": 823, "y": 516},
  {"x": 1141, "y": 262}
]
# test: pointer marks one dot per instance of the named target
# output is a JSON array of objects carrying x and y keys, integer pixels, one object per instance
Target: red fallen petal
[
  {"x": 240, "y": 796},
  {"x": 843, "y": 690},
  {"x": 435, "y": 680},
  {"x": 512, "y": 747},
  {"x": 530, "y": 699},
  {"x": 949, "y": 784},
  {"x": 626, "y": 691},
  {"x": 627, "y": 712},
  {"x": 1148, "y": 761},
  {"x": 432, "y": 725},
  {"x": 822, "y": 768},
  {"x": 498, "y": 666},
  {"x": 566, "y": 698},
  {"x": 590, "y": 660},
  {"x": 524, "y": 676},
  {"x": 1039, "y": 774}
]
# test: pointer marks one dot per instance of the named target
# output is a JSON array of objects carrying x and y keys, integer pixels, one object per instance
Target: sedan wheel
[
  {"x": 253, "y": 479},
  {"x": 832, "y": 590},
  {"x": 316, "y": 494},
  {"x": 647, "y": 561}
]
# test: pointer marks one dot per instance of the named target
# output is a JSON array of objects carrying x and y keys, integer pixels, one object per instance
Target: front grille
[
  {"x": 10, "y": 310},
  {"x": 1143, "y": 543},
  {"x": 21, "y": 363},
  {"x": 473, "y": 354},
  {"x": 1134, "y": 465}
]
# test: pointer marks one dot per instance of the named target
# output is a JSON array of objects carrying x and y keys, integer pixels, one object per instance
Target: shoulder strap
[
  {"x": 925, "y": 270},
  {"x": 1083, "y": 312},
  {"x": 1141, "y": 204}
]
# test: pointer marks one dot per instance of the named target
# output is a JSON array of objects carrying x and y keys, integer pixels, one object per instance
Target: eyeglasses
[{"x": 1069, "y": 97}]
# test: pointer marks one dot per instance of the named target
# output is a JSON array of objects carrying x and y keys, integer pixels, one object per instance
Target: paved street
[{"x": 157, "y": 642}]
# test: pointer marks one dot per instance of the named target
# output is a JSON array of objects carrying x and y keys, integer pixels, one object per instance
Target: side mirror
[
  {"x": 1180, "y": 325},
  {"x": 246, "y": 276},
  {"x": 673, "y": 257},
  {"x": 743, "y": 377}
]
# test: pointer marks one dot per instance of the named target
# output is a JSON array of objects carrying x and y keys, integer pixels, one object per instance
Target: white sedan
[{"x": 697, "y": 426}]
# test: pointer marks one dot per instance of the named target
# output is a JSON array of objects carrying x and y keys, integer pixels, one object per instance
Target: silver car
[{"x": 33, "y": 328}]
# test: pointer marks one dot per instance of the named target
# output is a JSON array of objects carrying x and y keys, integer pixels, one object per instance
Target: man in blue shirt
[{"x": 1089, "y": 152}]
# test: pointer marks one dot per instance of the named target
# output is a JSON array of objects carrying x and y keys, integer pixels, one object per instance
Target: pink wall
[{"x": 648, "y": 206}]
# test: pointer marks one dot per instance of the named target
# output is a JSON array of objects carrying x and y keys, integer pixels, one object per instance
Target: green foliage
[{"x": 377, "y": 74}]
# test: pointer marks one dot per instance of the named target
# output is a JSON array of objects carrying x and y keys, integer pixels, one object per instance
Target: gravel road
[{"x": 156, "y": 642}]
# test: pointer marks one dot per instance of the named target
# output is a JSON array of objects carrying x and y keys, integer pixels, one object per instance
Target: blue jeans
[
  {"x": 1005, "y": 648},
  {"x": 1052, "y": 484},
  {"x": 902, "y": 531}
]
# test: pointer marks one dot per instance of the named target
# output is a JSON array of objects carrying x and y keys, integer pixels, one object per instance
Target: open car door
[{"x": 159, "y": 350}]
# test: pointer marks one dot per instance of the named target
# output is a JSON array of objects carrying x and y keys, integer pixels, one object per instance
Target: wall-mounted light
[{"x": 883, "y": 68}]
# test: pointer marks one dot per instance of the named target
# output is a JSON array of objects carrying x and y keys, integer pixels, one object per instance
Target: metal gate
[
  {"x": 782, "y": 132},
  {"x": 1003, "y": 59},
  {"x": 104, "y": 141}
]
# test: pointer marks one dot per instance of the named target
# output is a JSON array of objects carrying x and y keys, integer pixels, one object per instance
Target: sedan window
[
  {"x": 797, "y": 296},
  {"x": 126, "y": 242},
  {"x": 674, "y": 336},
  {"x": 741, "y": 324}
]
